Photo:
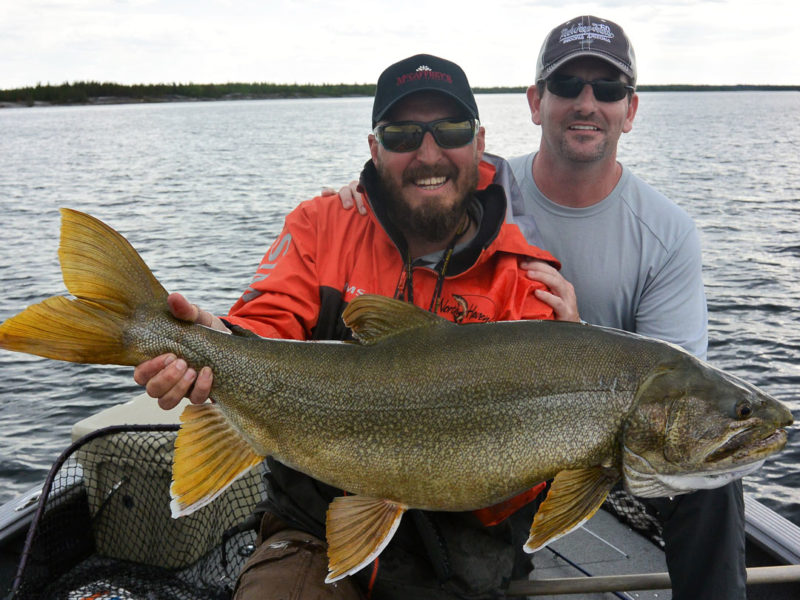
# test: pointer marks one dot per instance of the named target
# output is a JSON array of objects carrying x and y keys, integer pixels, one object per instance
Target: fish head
[{"x": 696, "y": 427}]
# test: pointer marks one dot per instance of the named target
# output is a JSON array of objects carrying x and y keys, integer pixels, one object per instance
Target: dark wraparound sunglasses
[
  {"x": 605, "y": 90},
  {"x": 406, "y": 136}
]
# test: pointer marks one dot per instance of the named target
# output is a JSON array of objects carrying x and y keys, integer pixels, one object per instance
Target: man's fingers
[
  {"x": 145, "y": 371},
  {"x": 202, "y": 386},
  {"x": 171, "y": 383},
  {"x": 181, "y": 308}
]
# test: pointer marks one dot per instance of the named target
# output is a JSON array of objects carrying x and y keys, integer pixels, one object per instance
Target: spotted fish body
[{"x": 420, "y": 412}]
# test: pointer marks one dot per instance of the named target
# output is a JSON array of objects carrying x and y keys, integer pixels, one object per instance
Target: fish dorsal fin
[
  {"x": 358, "y": 529},
  {"x": 572, "y": 499},
  {"x": 373, "y": 318},
  {"x": 209, "y": 456}
]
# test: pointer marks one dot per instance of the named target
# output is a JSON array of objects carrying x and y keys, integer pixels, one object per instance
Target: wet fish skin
[{"x": 421, "y": 413}]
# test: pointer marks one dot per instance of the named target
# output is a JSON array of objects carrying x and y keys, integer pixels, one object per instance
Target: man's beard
[{"x": 431, "y": 221}]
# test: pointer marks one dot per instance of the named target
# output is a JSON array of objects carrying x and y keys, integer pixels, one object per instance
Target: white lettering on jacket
[{"x": 278, "y": 250}]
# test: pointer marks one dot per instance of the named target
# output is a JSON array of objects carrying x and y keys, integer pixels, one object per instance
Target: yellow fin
[
  {"x": 98, "y": 264},
  {"x": 109, "y": 281},
  {"x": 572, "y": 499},
  {"x": 209, "y": 456},
  {"x": 358, "y": 529},
  {"x": 373, "y": 317}
]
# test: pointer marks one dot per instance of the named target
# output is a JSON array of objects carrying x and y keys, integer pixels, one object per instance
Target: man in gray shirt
[{"x": 632, "y": 255}]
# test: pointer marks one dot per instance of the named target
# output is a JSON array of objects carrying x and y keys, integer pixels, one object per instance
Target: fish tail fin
[
  {"x": 109, "y": 281},
  {"x": 209, "y": 456}
]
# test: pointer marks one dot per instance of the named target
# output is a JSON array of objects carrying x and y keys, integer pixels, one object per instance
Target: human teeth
[
  {"x": 584, "y": 127},
  {"x": 431, "y": 181}
]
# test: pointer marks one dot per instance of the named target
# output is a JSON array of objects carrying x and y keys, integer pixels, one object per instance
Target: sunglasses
[
  {"x": 605, "y": 90},
  {"x": 406, "y": 136}
]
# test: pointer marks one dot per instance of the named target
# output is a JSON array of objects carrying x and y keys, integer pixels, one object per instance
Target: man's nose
[{"x": 429, "y": 150}]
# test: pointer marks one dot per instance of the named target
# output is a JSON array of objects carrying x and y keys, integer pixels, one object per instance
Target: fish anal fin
[
  {"x": 373, "y": 318},
  {"x": 358, "y": 529},
  {"x": 573, "y": 497},
  {"x": 206, "y": 463}
]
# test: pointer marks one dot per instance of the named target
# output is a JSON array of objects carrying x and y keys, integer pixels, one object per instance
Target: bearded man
[{"x": 430, "y": 239}]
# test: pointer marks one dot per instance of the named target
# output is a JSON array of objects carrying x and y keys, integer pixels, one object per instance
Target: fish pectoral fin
[
  {"x": 209, "y": 456},
  {"x": 573, "y": 497},
  {"x": 358, "y": 529}
]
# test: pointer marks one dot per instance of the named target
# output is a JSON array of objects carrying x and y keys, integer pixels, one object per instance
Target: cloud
[{"x": 351, "y": 41}]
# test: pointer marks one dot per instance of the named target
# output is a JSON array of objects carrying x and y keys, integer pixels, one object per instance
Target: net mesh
[
  {"x": 634, "y": 513},
  {"x": 104, "y": 529}
]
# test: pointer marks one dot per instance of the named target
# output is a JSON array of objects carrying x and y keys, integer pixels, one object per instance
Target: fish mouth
[{"x": 742, "y": 448}]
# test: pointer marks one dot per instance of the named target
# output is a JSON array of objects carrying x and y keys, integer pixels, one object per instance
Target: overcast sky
[{"x": 351, "y": 41}]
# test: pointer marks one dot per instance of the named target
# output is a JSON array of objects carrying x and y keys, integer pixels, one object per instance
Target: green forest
[{"x": 93, "y": 92}]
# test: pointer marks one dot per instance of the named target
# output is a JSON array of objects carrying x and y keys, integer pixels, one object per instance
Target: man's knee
[{"x": 290, "y": 564}]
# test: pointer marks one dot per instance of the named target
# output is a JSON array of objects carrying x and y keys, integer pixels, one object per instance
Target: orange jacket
[{"x": 326, "y": 256}]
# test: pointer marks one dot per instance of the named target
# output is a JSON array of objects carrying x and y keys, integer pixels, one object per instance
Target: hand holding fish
[
  {"x": 561, "y": 297},
  {"x": 168, "y": 377}
]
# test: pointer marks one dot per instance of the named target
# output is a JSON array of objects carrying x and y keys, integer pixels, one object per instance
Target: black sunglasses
[
  {"x": 406, "y": 136},
  {"x": 605, "y": 90}
]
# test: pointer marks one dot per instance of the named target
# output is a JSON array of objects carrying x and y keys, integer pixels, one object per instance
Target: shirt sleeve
[
  {"x": 283, "y": 300},
  {"x": 673, "y": 304}
]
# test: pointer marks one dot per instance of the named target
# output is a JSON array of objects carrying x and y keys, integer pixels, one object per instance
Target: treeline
[
  {"x": 93, "y": 92},
  {"x": 85, "y": 92},
  {"x": 686, "y": 87}
]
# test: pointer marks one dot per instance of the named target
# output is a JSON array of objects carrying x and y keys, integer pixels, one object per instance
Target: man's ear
[
  {"x": 373, "y": 147},
  {"x": 534, "y": 102}
]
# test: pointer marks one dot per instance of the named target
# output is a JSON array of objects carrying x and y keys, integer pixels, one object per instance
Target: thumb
[{"x": 182, "y": 309}]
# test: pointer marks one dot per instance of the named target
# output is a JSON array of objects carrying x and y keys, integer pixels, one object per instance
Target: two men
[
  {"x": 631, "y": 257},
  {"x": 431, "y": 239}
]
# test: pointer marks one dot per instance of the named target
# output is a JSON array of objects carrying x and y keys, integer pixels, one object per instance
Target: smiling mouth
[
  {"x": 430, "y": 183},
  {"x": 584, "y": 128}
]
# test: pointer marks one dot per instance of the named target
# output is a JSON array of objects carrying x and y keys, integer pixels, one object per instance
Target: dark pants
[
  {"x": 289, "y": 564},
  {"x": 704, "y": 543}
]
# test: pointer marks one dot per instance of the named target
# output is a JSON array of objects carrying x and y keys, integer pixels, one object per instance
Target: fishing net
[
  {"x": 103, "y": 528},
  {"x": 634, "y": 513}
]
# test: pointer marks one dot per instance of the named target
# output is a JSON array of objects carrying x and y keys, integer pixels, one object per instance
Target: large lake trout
[{"x": 420, "y": 412}]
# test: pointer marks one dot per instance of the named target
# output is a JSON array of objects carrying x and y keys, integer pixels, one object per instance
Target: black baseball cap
[
  {"x": 422, "y": 72},
  {"x": 586, "y": 36}
]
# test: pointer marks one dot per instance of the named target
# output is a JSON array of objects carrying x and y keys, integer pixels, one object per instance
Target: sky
[{"x": 352, "y": 41}]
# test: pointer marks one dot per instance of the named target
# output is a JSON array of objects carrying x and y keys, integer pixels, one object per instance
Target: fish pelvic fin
[
  {"x": 209, "y": 456},
  {"x": 373, "y": 318},
  {"x": 109, "y": 281},
  {"x": 573, "y": 498},
  {"x": 358, "y": 529}
]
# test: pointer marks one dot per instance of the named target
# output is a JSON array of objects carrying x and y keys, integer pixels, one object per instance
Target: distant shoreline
[{"x": 95, "y": 93}]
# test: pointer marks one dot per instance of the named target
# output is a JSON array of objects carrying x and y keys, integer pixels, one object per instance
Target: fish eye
[{"x": 744, "y": 411}]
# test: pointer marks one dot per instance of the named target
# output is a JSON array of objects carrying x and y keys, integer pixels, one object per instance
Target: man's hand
[
  {"x": 168, "y": 377},
  {"x": 350, "y": 196},
  {"x": 561, "y": 297}
]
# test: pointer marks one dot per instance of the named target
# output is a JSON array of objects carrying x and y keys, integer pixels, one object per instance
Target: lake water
[{"x": 200, "y": 189}]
